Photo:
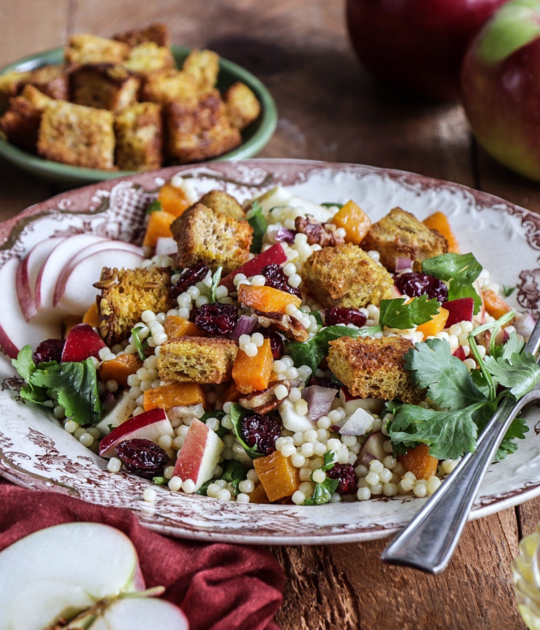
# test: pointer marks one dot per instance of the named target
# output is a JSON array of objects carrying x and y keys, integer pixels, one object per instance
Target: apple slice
[
  {"x": 373, "y": 449},
  {"x": 460, "y": 310},
  {"x": 199, "y": 454},
  {"x": 274, "y": 254},
  {"x": 138, "y": 613},
  {"x": 82, "y": 342},
  {"x": 15, "y": 332},
  {"x": 77, "y": 293},
  {"x": 358, "y": 424},
  {"x": 166, "y": 246},
  {"x": 64, "y": 567},
  {"x": 28, "y": 271},
  {"x": 351, "y": 404},
  {"x": 277, "y": 196},
  {"x": 150, "y": 425},
  {"x": 292, "y": 420},
  {"x": 100, "y": 246},
  {"x": 119, "y": 414},
  {"x": 320, "y": 213}
]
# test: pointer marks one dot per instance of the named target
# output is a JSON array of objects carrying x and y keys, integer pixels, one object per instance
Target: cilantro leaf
[
  {"x": 520, "y": 372},
  {"x": 432, "y": 366},
  {"x": 139, "y": 344},
  {"x": 215, "y": 283},
  {"x": 458, "y": 289},
  {"x": 330, "y": 459},
  {"x": 506, "y": 350},
  {"x": 463, "y": 268},
  {"x": 516, "y": 431},
  {"x": 259, "y": 225},
  {"x": 396, "y": 314},
  {"x": 507, "y": 291},
  {"x": 155, "y": 206},
  {"x": 323, "y": 492},
  {"x": 24, "y": 363},
  {"x": 236, "y": 414},
  {"x": 234, "y": 472}
]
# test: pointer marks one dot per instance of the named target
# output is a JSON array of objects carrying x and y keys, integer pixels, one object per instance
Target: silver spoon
[{"x": 430, "y": 539}]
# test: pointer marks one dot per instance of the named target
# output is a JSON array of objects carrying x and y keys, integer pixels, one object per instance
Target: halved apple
[{"x": 141, "y": 614}]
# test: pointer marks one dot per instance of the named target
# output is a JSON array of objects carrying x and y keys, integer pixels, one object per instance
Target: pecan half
[
  {"x": 289, "y": 326},
  {"x": 323, "y": 234},
  {"x": 265, "y": 401}
]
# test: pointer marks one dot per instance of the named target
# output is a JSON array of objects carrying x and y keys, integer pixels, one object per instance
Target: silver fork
[{"x": 430, "y": 539}]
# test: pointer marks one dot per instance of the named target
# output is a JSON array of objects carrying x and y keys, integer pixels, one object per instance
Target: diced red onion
[
  {"x": 244, "y": 326},
  {"x": 109, "y": 402},
  {"x": 319, "y": 400},
  {"x": 403, "y": 263},
  {"x": 284, "y": 235},
  {"x": 524, "y": 325}
]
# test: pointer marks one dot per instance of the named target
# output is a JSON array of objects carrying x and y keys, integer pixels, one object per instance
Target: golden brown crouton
[
  {"x": 374, "y": 368},
  {"x": 93, "y": 49},
  {"x": 77, "y": 135},
  {"x": 401, "y": 235},
  {"x": 20, "y": 124},
  {"x": 220, "y": 201},
  {"x": 125, "y": 294},
  {"x": 51, "y": 81},
  {"x": 11, "y": 84},
  {"x": 199, "y": 130},
  {"x": 203, "y": 66},
  {"x": 197, "y": 359},
  {"x": 149, "y": 57},
  {"x": 139, "y": 137},
  {"x": 164, "y": 87},
  {"x": 104, "y": 86},
  {"x": 36, "y": 97},
  {"x": 346, "y": 276},
  {"x": 204, "y": 235},
  {"x": 242, "y": 105},
  {"x": 157, "y": 33}
]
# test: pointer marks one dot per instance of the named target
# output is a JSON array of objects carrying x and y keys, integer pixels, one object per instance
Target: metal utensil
[{"x": 430, "y": 539}]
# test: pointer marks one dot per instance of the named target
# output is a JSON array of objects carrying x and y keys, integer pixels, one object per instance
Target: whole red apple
[
  {"x": 501, "y": 87},
  {"x": 418, "y": 44}
]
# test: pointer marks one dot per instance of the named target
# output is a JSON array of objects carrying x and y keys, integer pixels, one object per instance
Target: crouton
[
  {"x": 77, "y": 135},
  {"x": 104, "y": 86},
  {"x": 374, "y": 368},
  {"x": 93, "y": 49},
  {"x": 125, "y": 294},
  {"x": 149, "y": 57},
  {"x": 51, "y": 81},
  {"x": 36, "y": 97},
  {"x": 197, "y": 359},
  {"x": 157, "y": 33},
  {"x": 139, "y": 137},
  {"x": 242, "y": 105},
  {"x": 212, "y": 237},
  {"x": 345, "y": 276},
  {"x": 222, "y": 202},
  {"x": 199, "y": 130},
  {"x": 20, "y": 124},
  {"x": 11, "y": 84},
  {"x": 203, "y": 66},
  {"x": 401, "y": 235},
  {"x": 164, "y": 87}
]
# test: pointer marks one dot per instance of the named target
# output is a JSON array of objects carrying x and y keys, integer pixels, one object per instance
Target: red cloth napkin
[{"x": 218, "y": 586}]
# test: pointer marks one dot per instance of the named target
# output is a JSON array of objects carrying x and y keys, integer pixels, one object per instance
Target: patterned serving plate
[{"x": 37, "y": 453}]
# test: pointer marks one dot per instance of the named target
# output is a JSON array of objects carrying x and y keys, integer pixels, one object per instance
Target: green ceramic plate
[{"x": 255, "y": 137}]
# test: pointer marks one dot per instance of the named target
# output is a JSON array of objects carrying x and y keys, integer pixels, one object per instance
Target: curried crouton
[
  {"x": 139, "y": 137},
  {"x": 149, "y": 57},
  {"x": 401, "y": 234},
  {"x": 222, "y": 202},
  {"x": 77, "y": 135},
  {"x": 104, "y": 86},
  {"x": 203, "y": 66},
  {"x": 199, "y": 130},
  {"x": 51, "y": 81},
  {"x": 164, "y": 87},
  {"x": 374, "y": 368},
  {"x": 157, "y": 33},
  {"x": 212, "y": 237},
  {"x": 346, "y": 276},
  {"x": 36, "y": 97},
  {"x": 242, "y": 105},
  {"x": 125, "y": 294},
  {"x": 93, "y": 49},
  {"x": 20, "y": 124},
  {"x": 11, "y": 84},
  {"x": 197, "y": 359}
]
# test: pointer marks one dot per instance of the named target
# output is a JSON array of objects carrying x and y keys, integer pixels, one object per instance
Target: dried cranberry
[
  {"x": 276, "y": 278},
  {"x": 333, "y": 316},
  {"x": 216, "y": 319},
  {"x": 346, "y": 476},
  {"x": 142, "y": 457},
  {"x": 49, "y": 350},
  {"x": 189, "y": 277},
  {"x": 276, "y": 343},
  {"x": 416, "y": 284},
  {"x": 322, "y": 381},
  {"x": 261, "y": 432}
]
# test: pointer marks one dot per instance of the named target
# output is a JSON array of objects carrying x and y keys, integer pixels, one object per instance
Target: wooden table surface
[{"x": 329, "y": 109}]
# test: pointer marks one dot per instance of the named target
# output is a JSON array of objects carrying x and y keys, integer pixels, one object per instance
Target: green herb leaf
[
  {"x": 259, "y": 225},
  {"x": 520, "y": 373},
  {"x": 236, "y": 414},
  {"x": 396, "y": 314},
  {"x": 24, "y": 363},
  {"x": 461, "y": 267},
  {"x": 222, "y": 431},
  {"x": 204, "y": 488},
  {"x": 332, "y": 204},
  {"x": 506, "y": 350},
  {"x": 139, "y": 344},
  {"x": 507, "y": 291},
  {"x": 234, "y": 472},
  {"x": 458, "y": 290},
  {"x": 318, "y": 317},
  {"x": 155, "y": 206},
  {"x": 216, "y": 278},
  {"x": 160, "y": 481},
  {"x": 330, "y": 459},
  {"x": 516, "y": 431},
  {"x": 323, "y": 492}
]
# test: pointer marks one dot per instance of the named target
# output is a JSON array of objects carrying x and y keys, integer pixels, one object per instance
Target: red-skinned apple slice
[
  {"x": 77, "y": 293},
  {"x": 274, "y": 254},
  {"x": 15, "y": 332},
  {"x": 150, "y": 425},
  {"x": 87, "y": 251},
  {"x": 28, "y": 271},
  {"x": 199, "y": 454},
  {"x": 82, "y": 342},
  {"x": 119, "y": 414}
]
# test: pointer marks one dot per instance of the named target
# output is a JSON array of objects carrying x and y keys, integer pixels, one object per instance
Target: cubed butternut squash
[
  {"x": 418, "y": 461},
  {"x": 174, "y": 395},
  {"x": 119, "y": 368},
  {"x": 354, "y": 221},
  {"x": 435, "y": 325},
  {"x": 439, "y": 221},
  {"x": 176, "y": 326},
  {"x": 277, "y": 475},
  {"x": 258, "y": 495},
  {"x": 231, "y": 394},
  {"x": 159, "y": 225},
  {"x": 91, "y": 317},
  {"x": 494, "y": 304},
  {"x": 266, "y": 299},
  {"x": 252, "y": 374},
  {"x": 173, "y": 200}
]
